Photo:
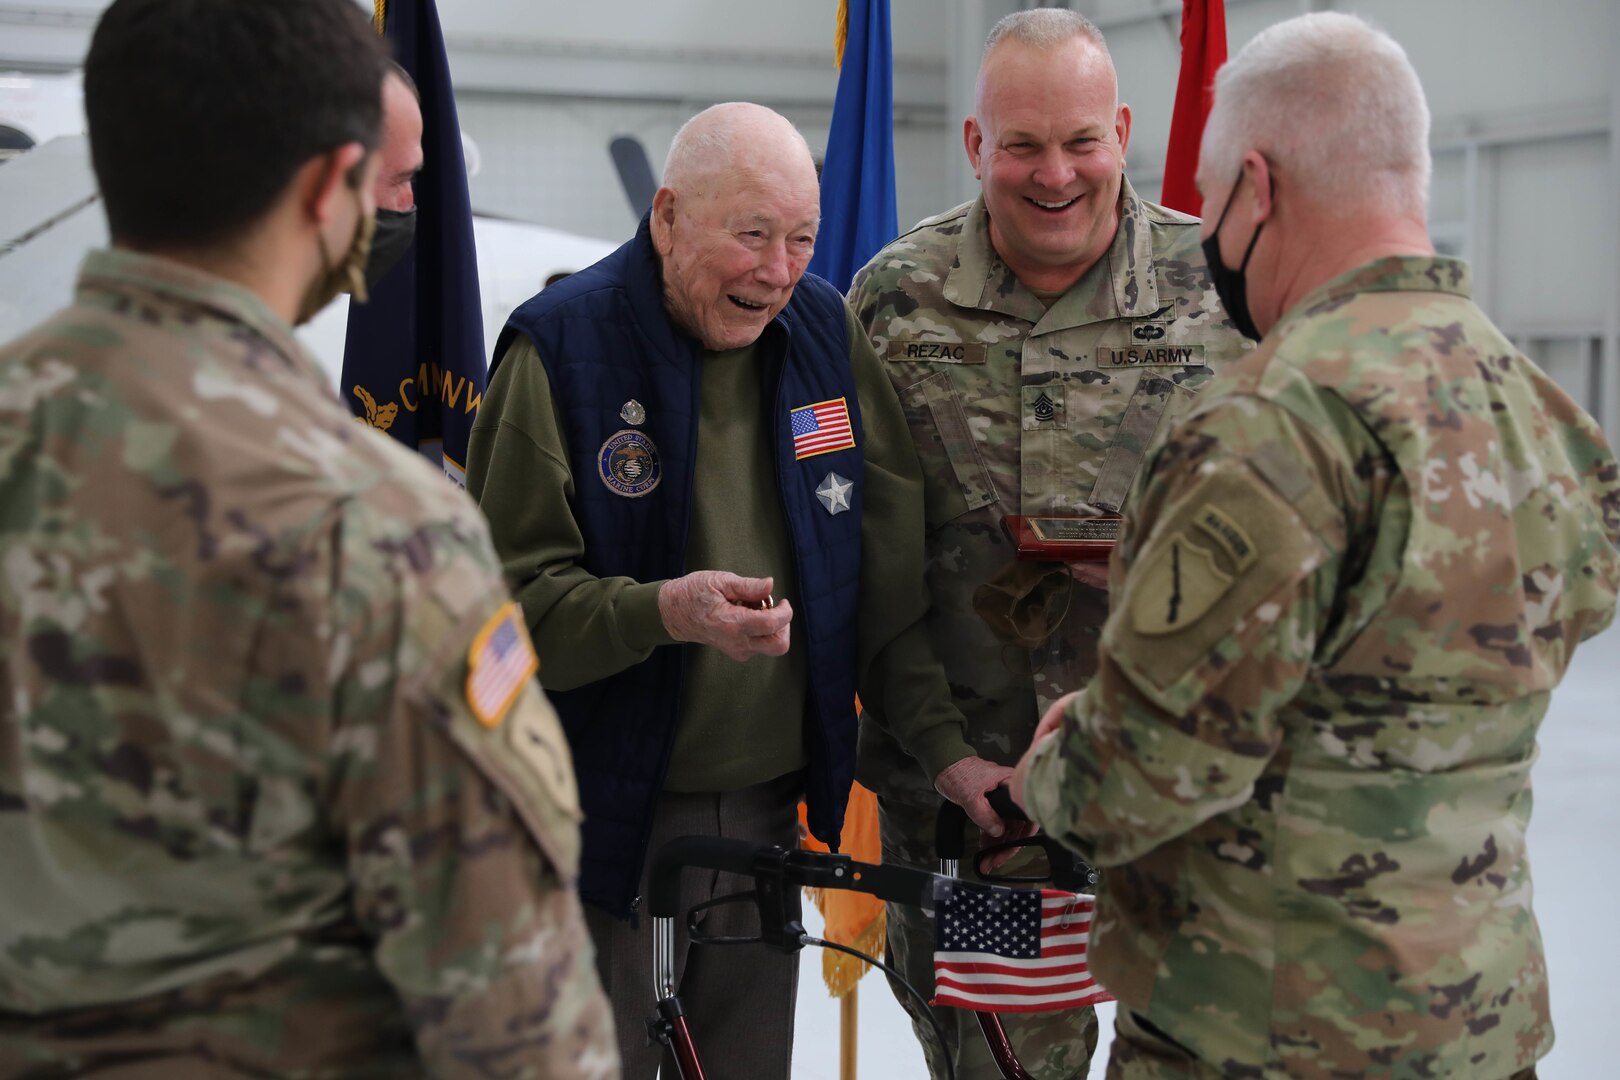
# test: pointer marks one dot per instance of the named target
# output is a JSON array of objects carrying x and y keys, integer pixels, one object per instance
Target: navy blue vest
[{"x": 605, "y": 339}]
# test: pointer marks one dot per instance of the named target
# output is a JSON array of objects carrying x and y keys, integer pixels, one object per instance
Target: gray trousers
[{"x": 739, "y": 999}]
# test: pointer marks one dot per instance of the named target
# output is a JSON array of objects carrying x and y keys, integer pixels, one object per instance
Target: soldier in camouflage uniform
[
  {"x": 278, "y": 793},
  {"x": 1351, "y": 580},
  {"x": 1038, "y": 338}
]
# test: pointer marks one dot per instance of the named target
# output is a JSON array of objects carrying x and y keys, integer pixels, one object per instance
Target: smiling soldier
[
  {"x": 672, "y": 439},
  {"x": 1038, "y": 337}
]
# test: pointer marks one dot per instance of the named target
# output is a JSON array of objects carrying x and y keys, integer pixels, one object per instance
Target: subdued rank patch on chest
[
  {"x": 1043, "y": 407},
  {"x": 628, "y": 463},
  {"x": 1134, "y": 356},
  {"x": 1180, "y": 583},
  {"x": 937, "y": 352}
]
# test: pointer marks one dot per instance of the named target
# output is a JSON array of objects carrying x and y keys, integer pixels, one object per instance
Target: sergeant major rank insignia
[{"x": 628, "y": 463}]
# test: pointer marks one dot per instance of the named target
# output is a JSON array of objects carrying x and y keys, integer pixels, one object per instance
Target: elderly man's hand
[
  {"x": 713, "y": 607},
  {"x": 965, "y": 783}
]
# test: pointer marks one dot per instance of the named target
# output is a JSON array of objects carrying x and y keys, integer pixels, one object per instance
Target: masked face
[
  {"x": 1231, "y": 285},
  {"x": 345, "y": 275},
  {"x": 391, "y": 239}
]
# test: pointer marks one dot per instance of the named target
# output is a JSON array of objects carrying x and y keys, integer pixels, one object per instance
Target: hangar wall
[{"x": 1526, "y": 100}]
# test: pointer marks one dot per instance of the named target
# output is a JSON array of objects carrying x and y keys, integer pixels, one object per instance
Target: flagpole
[{"x": 848, "y": 1014}]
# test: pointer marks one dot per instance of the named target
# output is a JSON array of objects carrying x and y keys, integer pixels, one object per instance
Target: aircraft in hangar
[{"x": 50, "y": 215}]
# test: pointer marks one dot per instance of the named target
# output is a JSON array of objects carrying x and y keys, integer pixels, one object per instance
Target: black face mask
[
  {"x": 1230, "y": 284},
  {"x": 395, "y": 231}
]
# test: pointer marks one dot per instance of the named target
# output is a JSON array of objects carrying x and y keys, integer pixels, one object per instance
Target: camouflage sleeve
[
  {"x": 452, "y": 785},
  {"x": 586, "y": 627},
  {"x": 901, "y": 682},
  {"x": 1229, "y": 571}
]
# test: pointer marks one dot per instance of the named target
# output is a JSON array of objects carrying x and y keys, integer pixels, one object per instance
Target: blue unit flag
[
  {"x": 415, "y": 352},
  {"x": 858, "y": 213}
]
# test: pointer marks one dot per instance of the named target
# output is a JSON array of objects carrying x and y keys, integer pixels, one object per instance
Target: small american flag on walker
[{"x": 1012, "y": 950}]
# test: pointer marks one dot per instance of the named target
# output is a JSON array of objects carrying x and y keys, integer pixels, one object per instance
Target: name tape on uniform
[
  {"x": 1150, "y": 356},
  {"x": 939, "y": 352}
]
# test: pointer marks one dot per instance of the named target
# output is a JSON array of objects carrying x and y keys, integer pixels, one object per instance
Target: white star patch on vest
[{"x": 834, "y": 493}]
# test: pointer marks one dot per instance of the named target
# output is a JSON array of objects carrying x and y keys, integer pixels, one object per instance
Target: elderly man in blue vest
[{"x": 707, "y": 501}]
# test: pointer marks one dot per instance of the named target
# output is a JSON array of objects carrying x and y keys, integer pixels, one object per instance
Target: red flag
[
  {"x": 1013, "y": 950},
  {"x": 1203, "y": 51}
]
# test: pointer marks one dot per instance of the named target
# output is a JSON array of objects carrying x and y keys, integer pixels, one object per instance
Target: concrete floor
[{"x": 1577, "y": 878}]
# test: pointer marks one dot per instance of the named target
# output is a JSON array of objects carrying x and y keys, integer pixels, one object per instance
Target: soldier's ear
[
  {"x": 326, "y": 180},
  {"x": 1122, "y": 127},
  {"x": 973, "y": 142}
]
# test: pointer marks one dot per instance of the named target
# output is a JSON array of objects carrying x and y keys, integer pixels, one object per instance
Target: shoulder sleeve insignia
[
  {"x": 1179, "y": 586},
  {"x": 499, "y": 663}
]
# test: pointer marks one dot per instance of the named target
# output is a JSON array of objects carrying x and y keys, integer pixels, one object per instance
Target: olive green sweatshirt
[{"x": 740, "y": 723}]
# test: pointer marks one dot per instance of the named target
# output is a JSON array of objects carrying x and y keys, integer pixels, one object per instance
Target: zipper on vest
[{"x": 635, "y": 913}]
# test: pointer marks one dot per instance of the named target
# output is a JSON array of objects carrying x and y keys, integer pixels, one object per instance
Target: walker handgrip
[
  {"x": 949, "y": 825},
  {"x": 1001, "y": 802},
  {"x": 708, "y": 852}
]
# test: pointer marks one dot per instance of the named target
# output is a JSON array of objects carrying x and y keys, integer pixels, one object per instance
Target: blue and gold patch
[{"x": 628, "y": 463}]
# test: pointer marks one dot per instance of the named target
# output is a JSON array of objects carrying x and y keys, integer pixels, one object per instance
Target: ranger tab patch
[
  {"x": 500, "y": 661},
  {"x": 821, "y": 428},
  {"x": 628, "y": 463}
]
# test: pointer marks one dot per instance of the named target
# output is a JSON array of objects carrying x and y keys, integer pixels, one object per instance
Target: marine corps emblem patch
[{"x": 628, "y": 463}]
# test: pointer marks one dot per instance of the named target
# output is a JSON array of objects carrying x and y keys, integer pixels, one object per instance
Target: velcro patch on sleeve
[
  {"x": 1219, "y": 559},
  {"x": 499, "y": 663},
  {"x": 1180, "y": 583}
]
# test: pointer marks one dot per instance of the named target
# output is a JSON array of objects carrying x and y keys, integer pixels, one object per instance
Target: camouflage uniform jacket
[
  {"x": 1020, "y": 408},
  {"x": 278, "y": 796},
  {"x": 1353, "y": 576}
]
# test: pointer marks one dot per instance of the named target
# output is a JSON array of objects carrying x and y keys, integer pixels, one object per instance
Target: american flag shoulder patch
[
  {"x": 500, "y": 661},
  {"x": 1013, "y": 950},
  {"x": 821, "y": 428}
]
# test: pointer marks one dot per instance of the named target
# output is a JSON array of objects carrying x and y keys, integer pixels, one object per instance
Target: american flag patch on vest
[{"x": 821, "y": 428}]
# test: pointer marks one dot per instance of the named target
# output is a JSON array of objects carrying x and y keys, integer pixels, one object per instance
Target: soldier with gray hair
[
  {"x": 709, "y": 507},
  {"x": 1038, "y": 337},
  {"x": 1353, "y": 577}
]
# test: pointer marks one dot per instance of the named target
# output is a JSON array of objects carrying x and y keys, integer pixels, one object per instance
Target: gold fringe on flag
[
  {"x": 840, "y": 33},
  {"x": 379, "y": 9},
  {"x": 854, "y": 919},
  {"x": 841, "y": 971}
]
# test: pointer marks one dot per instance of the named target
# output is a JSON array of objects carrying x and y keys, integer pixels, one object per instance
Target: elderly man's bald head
[
  {"x": 734, "y": 222},
  {"x": 734, "y": 136}
]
